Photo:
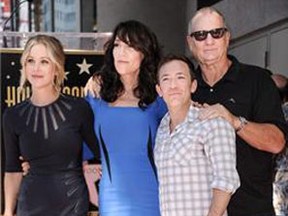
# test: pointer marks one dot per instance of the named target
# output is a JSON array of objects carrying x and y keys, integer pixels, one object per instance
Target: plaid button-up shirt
[{"x": 192, "y": 160}]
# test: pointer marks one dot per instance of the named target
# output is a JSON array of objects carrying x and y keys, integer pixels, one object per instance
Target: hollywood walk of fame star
[
  {"x": 84, "y": 67},
  {"x": 66, "y": 74}
]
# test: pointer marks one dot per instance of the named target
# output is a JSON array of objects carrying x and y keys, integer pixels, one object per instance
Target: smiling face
[
  {"x": 39, "y": 69},
  {"x": 127, "y": 60},
  {"x": 175, "y": 84},
  {"x": 211, "y": 50}
]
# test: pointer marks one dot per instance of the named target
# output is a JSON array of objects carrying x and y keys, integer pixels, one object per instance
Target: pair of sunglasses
[{"x": 215, "y": 33}]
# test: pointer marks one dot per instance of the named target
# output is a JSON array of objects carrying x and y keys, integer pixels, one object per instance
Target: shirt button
[{"x": 211, "y": 90}]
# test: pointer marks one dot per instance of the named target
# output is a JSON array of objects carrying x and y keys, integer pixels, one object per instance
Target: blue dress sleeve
[
  {"x": 87, "y": 153},
  {"x": 161, "y": 107}
]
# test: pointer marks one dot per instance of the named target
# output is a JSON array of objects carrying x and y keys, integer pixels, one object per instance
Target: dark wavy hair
[{"x": 142, "y": 39}]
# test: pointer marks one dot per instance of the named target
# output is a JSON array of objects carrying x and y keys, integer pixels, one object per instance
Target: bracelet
[{"x": 243, "y": 122}]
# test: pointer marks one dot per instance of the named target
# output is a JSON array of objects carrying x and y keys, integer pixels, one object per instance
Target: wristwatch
[{"x": 243, "y": 122}]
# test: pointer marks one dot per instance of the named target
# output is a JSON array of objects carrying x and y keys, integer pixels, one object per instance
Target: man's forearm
[
  {"x": 265, "y": 137},
  {"x": 219, "y": 202},
  {"x": 262, "y": 136}
]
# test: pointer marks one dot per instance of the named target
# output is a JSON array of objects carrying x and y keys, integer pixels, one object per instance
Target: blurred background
[{"x": 259, "y": 27}]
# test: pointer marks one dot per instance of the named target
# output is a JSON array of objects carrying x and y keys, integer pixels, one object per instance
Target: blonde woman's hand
[
  {"x": 85, "y": 166},
  {"x": 98, "y": 168}
]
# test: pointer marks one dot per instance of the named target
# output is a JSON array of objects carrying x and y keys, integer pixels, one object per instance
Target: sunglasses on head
[{"x": 215, "y": 33}]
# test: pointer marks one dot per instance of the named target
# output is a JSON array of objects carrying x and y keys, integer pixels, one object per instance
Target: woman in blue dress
[{"x": 127, "y": 114}]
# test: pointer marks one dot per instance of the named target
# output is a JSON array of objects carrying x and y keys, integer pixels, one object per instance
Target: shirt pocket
[{"x": 187, "y": 151}]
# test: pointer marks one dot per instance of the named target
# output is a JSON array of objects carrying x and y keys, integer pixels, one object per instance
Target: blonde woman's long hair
[{"x": 55, "y": 53}]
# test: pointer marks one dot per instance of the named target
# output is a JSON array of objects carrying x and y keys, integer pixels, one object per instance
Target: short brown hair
[{"x": 172, "y": 57}]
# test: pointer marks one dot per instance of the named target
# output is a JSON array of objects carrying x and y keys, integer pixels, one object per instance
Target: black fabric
[
  {"x": 247, "y": 91},
  {"x": 50, "y": 138}
]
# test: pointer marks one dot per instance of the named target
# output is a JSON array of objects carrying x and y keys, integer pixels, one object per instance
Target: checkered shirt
[{"x": 196, "y": 157}]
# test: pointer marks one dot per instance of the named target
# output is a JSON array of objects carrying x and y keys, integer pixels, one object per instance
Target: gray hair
[{"x": 202, "y": 11}]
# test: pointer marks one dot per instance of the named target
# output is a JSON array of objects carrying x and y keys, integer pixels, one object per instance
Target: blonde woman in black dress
[{"x": 48, "y": 130}]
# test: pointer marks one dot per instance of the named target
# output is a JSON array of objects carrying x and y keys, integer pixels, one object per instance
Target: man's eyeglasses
[{"x": 215, "y": 33}]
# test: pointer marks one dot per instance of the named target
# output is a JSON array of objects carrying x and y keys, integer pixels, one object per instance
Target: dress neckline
[
  {"x": 120, "y": 107},
  {"x": 47, "y": 105}
]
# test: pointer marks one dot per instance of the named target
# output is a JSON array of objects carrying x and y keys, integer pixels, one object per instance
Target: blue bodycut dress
[{"x": 128, "y": 186}]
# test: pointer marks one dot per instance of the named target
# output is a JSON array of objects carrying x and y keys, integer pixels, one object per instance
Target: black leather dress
[{"x": 50, "y": 138}]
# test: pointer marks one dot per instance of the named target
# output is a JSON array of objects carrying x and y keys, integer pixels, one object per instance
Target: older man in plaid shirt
[{"x": 195, "y": 159}]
